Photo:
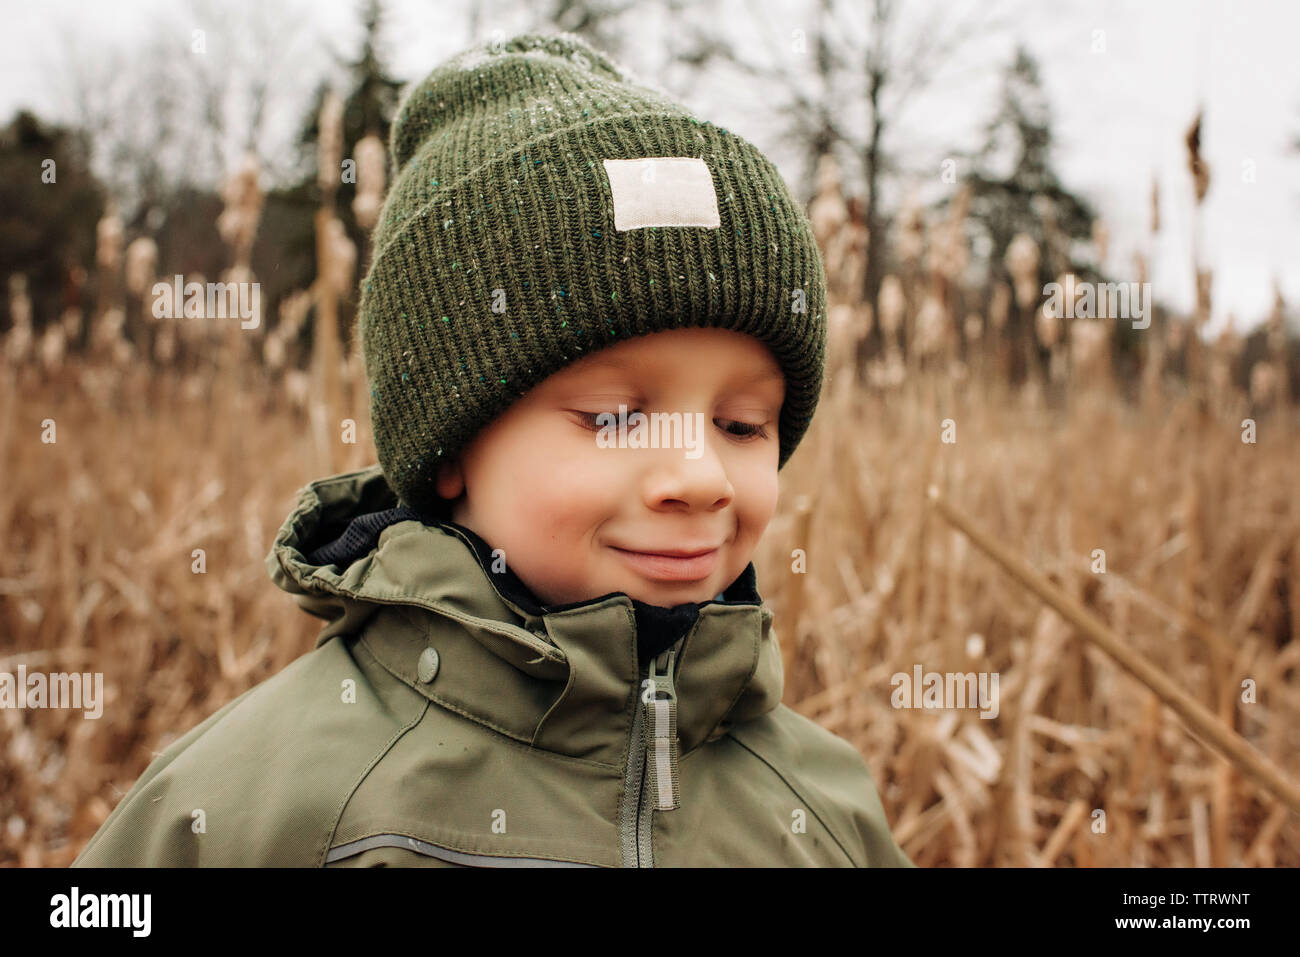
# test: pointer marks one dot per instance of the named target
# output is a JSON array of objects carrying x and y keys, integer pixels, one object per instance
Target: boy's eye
[
  {"x": 747, "y": 430},
  {"x": 598, "y": 420},
  {"x": 744, "y": 431}
]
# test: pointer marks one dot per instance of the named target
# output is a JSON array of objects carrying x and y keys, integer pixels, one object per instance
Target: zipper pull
[{"x": 660, "y": 731}]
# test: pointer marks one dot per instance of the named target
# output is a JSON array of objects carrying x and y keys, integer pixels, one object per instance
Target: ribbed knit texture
[{"x": 499, "y": 196}]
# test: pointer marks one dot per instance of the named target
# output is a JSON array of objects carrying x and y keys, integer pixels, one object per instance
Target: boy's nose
[{"x": 677, "y": 480}]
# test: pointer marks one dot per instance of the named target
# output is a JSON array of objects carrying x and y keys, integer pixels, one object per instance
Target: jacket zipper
[{"x": 651, "y": 781}]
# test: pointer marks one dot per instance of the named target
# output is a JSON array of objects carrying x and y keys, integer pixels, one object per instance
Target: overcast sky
[{"x": 1120, "y": 114}]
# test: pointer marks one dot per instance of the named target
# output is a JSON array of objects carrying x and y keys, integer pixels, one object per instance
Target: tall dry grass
[
  {"x": 200, "y": 441},
  {"x": 99, "y": 574},
  {"x": 102, "y": 526},
  {"x": 1201, "y": 535}
]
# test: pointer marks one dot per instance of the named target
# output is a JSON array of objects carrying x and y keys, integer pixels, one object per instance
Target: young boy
[{"x": 545, "y": 645}]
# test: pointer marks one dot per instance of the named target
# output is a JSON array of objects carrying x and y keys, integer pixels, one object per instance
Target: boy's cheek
[{"x": 759, "y": 494}]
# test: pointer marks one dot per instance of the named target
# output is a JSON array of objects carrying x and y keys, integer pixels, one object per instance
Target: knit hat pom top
[{"x": 544, "y": 205}]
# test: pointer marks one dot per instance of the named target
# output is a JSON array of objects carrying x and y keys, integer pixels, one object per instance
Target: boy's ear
[{"x": 451, "y": 480}]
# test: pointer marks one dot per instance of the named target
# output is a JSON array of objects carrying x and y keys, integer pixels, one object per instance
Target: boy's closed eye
[{"x": 743, "y": 431}]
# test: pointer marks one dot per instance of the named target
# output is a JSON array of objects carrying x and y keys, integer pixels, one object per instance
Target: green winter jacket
[{"x": 446, "y": 719}]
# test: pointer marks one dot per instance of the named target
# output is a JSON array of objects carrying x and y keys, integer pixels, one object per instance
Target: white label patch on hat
[{"x": 662, "y": 191}]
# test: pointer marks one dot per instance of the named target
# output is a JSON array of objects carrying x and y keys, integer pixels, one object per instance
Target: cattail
[
  {"x": 71, "y": 321},
  {"x": 1153, "y": 366},
  {"x": 273, "y": 351},
  {"x": 297, "y": 388},
  {"x": 1089, "y": 345},
  {"x": 108, "y": 240},
  {"x": 164, "y": 346},
  {"x": 854, "y": 240},
  {"x": 890, "y": 372},
  {"x": 1177, "y": 335},
  {"x": 1204, "y": 282},
  {"x": 911, "y": 242},
  {"x": 280, "y": 342},
  {"x": 1000, "y": 306},
  {"x": 329, "y": 143},
  {"x": 194, "y": 387},
  {"x": 1229, "y": 342},
  {"x": 193, "y": 331},
  {"x": 1101, "y": 239},
  {"x": 342, "y": 259},
  {"x": 243, "y": 198},
  {"x": 1275, "y": 325},
  {"x": 1047, "y": 324},
  {"x": 1022, "y": 263},
  {"x": 840, "y": 232},
  {"x": 122, "y": 353},
  {"x": 1275, "y": 337},
  {"x": 1155, "y": 205},
  {"x": 1195, "y": 162},
  {"x": 892, "y": 305},
  {"x": 352, "y": 367},
  {"x": 52, "y": 347},
  {"x": 20, "y": 304},
  {"x": 827, "y": 212},
  {"x": 1263, "y": 384},
  {"x": 370, "y": 181},
  {"x": 931, "y": 327},
  {"x": 1223, "y": 360},
  {"x": 107, "y": 338},
  {"x": 947, "y": 256},
  {"x": 18, "y": 344},
  {"x": 108, "y": 330},
  {"x": 844, "y": 332},
  {"x": 243, "y": 275},
  {"x": 331, "y": 266},
  {"x": 1072, "y": 292},
  {"x": 1200, "y": 170},
  {"x": 141, "y": 261},
  {"x": 948, "y": 253},
  {"x": 293, "y": 312}
]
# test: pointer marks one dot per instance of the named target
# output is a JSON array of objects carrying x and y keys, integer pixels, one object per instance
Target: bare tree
[
  {"x": 178, "y": 108},
  {"x": 880, "y": 65}
]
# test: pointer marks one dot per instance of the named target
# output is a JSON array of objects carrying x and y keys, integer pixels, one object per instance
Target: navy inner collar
[{"x": 657, "y": 627}]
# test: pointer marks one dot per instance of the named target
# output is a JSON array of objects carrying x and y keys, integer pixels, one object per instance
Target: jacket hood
[{"x": 348, "y": 551}]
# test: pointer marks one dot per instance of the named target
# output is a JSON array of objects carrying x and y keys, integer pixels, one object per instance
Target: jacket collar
[{"x": 563, "y": 678}]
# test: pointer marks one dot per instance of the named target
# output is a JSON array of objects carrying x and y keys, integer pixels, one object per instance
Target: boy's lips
[
  {"x": 671, "y": 552},
  {"x": 678, "y": 565}
]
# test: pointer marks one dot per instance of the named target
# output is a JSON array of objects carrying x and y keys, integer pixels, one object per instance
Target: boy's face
[{"x": 575, "y": 519}]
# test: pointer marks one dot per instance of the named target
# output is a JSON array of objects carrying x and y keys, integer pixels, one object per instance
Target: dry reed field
[
  {"x": 1201, "y": 535},
  {"x": 1196, "y": 525},
  {"x": 135, "y": 546}
]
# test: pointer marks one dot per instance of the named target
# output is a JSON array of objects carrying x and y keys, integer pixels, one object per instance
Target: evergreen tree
[
  {"x": 1015, "y": 189},
  {"x": 287, "y": 235},
  {"x": 46, "y": 228}
]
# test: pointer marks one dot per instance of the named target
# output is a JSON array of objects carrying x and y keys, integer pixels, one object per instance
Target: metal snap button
[{"x": 427, "y": 667}]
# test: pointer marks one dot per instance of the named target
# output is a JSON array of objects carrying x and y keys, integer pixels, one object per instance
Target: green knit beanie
[{"x": 545, "y": 205}]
